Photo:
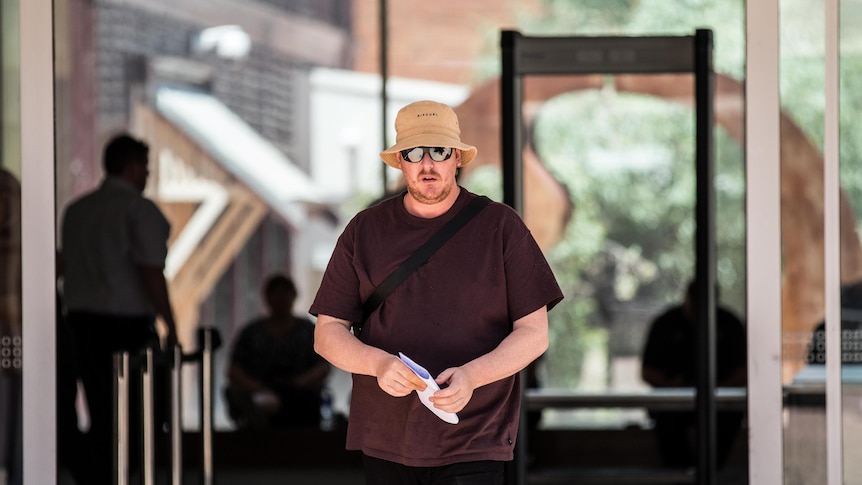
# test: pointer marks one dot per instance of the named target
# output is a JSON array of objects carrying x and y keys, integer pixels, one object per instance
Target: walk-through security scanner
[{"x": 536, "y": 56}]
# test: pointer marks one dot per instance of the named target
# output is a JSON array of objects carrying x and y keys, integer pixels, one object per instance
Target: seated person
[
  {"x": 851, "y": 329},
  {"x": 670, "y": 360},
  {"x": 274, "y": 377}
]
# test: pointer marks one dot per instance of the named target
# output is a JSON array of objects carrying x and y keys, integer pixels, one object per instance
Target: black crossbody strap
[{"x": 421, "y": 255}]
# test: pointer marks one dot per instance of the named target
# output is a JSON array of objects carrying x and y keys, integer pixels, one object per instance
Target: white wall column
[
  {"x": 831, "y": 249},
  {"x": 38, "y": 242},
  {"x": 763, "y": 246}
]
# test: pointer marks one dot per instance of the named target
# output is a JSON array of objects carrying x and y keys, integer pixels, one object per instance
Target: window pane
[
  {"x": 10, "y": 247},
  {"x": 802, "y": 101},
  {"x": 224, "y": 109},
  {"x": 851, "y": 297},
  {"x": 265, "y": 137}
]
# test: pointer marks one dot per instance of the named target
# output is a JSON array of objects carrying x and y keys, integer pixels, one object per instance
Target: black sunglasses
[{"x": 416, "y": 154}]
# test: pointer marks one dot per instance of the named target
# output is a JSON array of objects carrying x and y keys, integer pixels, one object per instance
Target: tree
[{"x": 628, "y": 162}]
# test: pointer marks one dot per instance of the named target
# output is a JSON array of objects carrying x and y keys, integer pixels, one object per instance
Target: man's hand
[
  {"x": 527, "y": 341},
  {"x": 171, "y": 339},
  {"x": 457, "y": 393},
  {"x": 153, "y": 279},
  {"x": 396, "y": 379}
]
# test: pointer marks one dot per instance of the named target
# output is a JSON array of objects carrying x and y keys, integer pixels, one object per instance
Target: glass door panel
[
  {"x": 10, "y": 248},
  {"x": 802, "y": 103},
  {"x": 850, "y": 179}
]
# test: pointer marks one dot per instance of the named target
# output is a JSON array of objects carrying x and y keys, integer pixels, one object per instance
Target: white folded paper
[{"x": 425, "y": 395}]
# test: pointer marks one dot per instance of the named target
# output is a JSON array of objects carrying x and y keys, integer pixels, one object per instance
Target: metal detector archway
[{"x": 525, "y": 56}]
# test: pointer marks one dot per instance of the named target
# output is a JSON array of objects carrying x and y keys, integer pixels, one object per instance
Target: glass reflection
[
  {"x": 130, "y": 64},
  {"x": 10, "y": 326},
  {"x": 805, "y": 352},
  {"x": 851, "y": 182},
  {"x": 10, "y": 250}
]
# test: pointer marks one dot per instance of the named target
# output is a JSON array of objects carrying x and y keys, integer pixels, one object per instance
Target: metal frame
[
  {"x": 763, "y": 243},
  {"x": 522, "y": 55},
  {"x": 145, "y": 364},
  {"x": 763, "y": 229},
  {"x": 38, "y": 241},
  {"x": 832, "y": 244}
]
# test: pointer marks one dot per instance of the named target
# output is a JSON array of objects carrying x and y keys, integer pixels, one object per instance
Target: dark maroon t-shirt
[{"x": 456, "y": 307}]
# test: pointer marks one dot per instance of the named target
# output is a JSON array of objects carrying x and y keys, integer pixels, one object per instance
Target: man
[
  {"x": 474, "y": 316},
  {"x": 114, "y": 244},
  {"x": 275, "y": 378},
  {"x": 670, "y": 360}
]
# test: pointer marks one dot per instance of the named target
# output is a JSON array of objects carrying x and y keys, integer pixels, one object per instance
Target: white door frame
[
  {"x": 38, "y": 241},
  {"x": 763, "y": 243},
  {"x": 763, "y": 253}
]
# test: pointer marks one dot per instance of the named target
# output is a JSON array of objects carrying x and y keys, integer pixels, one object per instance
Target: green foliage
[
  {"x": 485, "y": 180},
  {"x": 598, "y": 14},
  {"x": 803, "y": 84},
  {"x": 725, "y": 18},
  {"x": 850, "y": 141},
  {"x": 628, "y": 164}
]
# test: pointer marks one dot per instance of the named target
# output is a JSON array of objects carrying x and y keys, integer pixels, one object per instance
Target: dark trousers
[
  {"x": 297, "y": 408},
  {"x": 73, "y": 452},
  {"x": 383, "y": 472},
  {"x": 11, "y": 431},
  {"x": 97, "y": 338},
  {"x": 676, "y": 437}
]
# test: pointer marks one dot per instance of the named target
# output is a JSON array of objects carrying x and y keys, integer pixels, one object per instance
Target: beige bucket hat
[{"x": 427, "y": 124}]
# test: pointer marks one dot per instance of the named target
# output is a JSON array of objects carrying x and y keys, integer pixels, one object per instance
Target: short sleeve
[
  {"x": 150, "y": 231},
  {"x": 338, "y": 295}
]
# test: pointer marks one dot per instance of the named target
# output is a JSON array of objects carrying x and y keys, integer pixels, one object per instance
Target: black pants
[
  {"x": 383, "y": 472},
  {"x": 97, "y": 338},
  {"x": 73, "y": 452},
  {"x": 298, "y": 408},
  {"x": 677, "y": 441}
]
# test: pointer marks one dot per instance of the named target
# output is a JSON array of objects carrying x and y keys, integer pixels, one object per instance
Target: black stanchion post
[{"x": 705, "y": 271}]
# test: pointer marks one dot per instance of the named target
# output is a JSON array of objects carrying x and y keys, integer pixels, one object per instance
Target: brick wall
[
  {"x": 438, "y": 40},
  {"x": 332, "y": 12},
  {"x": 267, "y": 89}
]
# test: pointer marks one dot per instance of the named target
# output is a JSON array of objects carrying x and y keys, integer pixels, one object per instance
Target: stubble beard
[{"x": 415, "y": 191}]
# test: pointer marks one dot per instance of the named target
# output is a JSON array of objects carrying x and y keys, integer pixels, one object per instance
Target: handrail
[
  {"x": 664, "y": 399},
  {"x": 667, "y": 399}
]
